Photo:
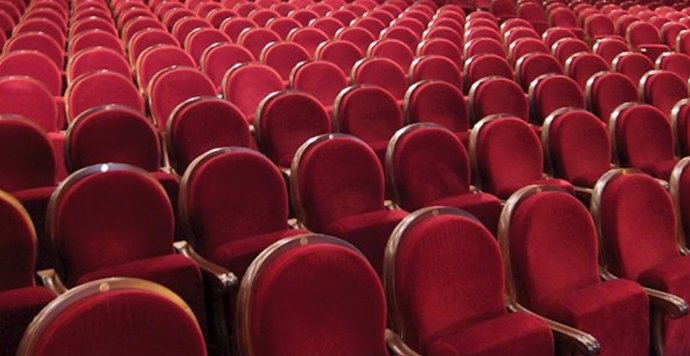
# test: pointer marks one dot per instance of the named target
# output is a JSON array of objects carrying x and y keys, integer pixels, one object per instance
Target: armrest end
[
  {"x": 51, "y": 280},
  {"x": 223, "y": 278},
  {"x": 397, "y": 345}
]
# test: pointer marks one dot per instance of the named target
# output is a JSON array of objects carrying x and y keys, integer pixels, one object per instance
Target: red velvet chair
[
  {"x": 337, "y": 187},
  {"x": 217, "y": 59},
  {"x": 186, "y": 25},
  {"x": 247, "y": 84},
  {"x": 426, "y": 165},
  {"x": 255, "y": 39},
  {"x": 283, "y": 57},
  {"x": 644, "y": 38},
  {"x": 342, "y": 53},
  {"x": 506, "y": 155},
  {"x": 663, "y": 89},
  {"x": 638, "y": 232},
  {"x": 233, "y": 26},
  {"x": 576, "y": 147},
  {"x": 395, "y": 50},
  {"x": 633, "y": 65},
  {"x": 38, "y": 24},
  {"x": 598, "y": 26},
  {"x": 486, "y": 65},
  {"x": 381, "y": 72},
  {"x": 533, "y": 65},
  {"x": 605, "y": 91},
  {"x": 440, "y": 47},
  {"x": 565, "y": 17},
  {"x": 157, "y": 58},
  {"x": 203, "y": 123},
  {"x": 642, "y": 138},
  {"x": 320, "y": 283},
  {"x": 438, "y": 102},
  {"x": 283, "y": 25},
  {"x": 549, "y": 243},
  {"x": 231, "y": 222},
  {"x": 677, "y": 63},
  {"x": 40, "y": 42},
  {"x": 566, "y": 47},
  {"x": 398, "y": 31},
  {"x": 483, "y": 96},
  {"x": 95, "y": 59},
  {"x": 370, "y": 113},
  {"x": 115, "y": 316},
  {"x": 514, "y": 34},
  {"x": 320, "y": 78},
  {"x": 551, "y": 35},
  {"x": 357, "y": 36},
  {"x": 444, "y": 281},
  {"x": 20, "y": 298},
  {"x": 582, "y": 66},
  {"x": 309, "y": 38},
  {"x": 524, "y": 46},
  {"x": 434, "y": 67},
  {"x": 200, "y": 39},
  {"x": 172, "y": 86},
  {"x": 287, "y": 119},
  {"x": 609, "y": 48},
  {"x": 124, "y": 214},
  {"x": 550, "y": 92},
  {"x": 94, "y": 38},
  {"x": 146, "y": 39},
  {"x": 139, "y": 24},
  {"x": 669, "y": 34},
  {"x": 101, "y": 88},
  {"x": 482, "y": 46}
]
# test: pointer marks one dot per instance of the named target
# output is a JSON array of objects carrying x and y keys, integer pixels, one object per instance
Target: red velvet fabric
[
  {"x": 97, "y": 58},
  {"x": 199, "y": 40},
  {"x": 436, "y": 68},
  {"x": 286, "y": 121},
  {"x": 677, "y": 63},
  {"x": 438, "y": 102},
  {"x": 19, "y": 244},
  {"x": 342, "y": 53},
  {"x": 38, "y": 41},
  {"x": 607, "y": 91},
  {"x": 150, "y": 38},
  {"x": 25, "y": 96},
  {"x": 330, "y": 291},
  {"x": 359, "y": 37},
  {"x": 382, "y": 72},
  {"x": 449, "y": 292},
  {"x": 255, "y": 39},
  {"x": 579, "y": 148},
  {"x": 483, "y": 46},
  {"x": 441, "y": 47},
  {"x": 203, "y": 124},
  {"x": 283, "y": 56},
  {"x": 641, "y": 33},
  {"x": 609, "y": 48},
  {"x": 102, "y": 88},
  {"x": 483, "y": 101},
  {"x": 566, "y": 47},
  {"x": 371, "y": 114},
  {"x": 18, "y": 307},
  {"x": 93, "y": 38},
  {"x": 663, "y": 89},
  {"x": 234, "y": 26},
  {"x": 309, "y": 38},
  {"x": 130, "y": 322},
  {"x": 553, "y": 34},
  {"x": 486, "y": 65},
  {"x": 644, "y": 140},
  {"x": 186, "y": 25},
  {"x": 33, "y": 64},
  {"x": 283, "y": 25},
  {"x": 582, "y": 66},
  {"x": 509, "y": 156},
  {"x": 219, "y": 58},
  {"x": 513, "y": 34},
  {"x": 599, "y": 25},
  {"x": 554, "y": 229},
  {"x": 395, "y": 50},
  {"x": 173, "y": 86},
  {"x": 552, "y": 92},
  {"x": 403, "y": 33},
  {"x": 633, "y": 65},
  {"x": 113, "y": 134},
  {"x": 637, "y": 224},
  {"x": 670, "y": 32},
  {"x": 320, "y": 78},
  {"x": 533, "y": 65},
  {"x": 158, "y": 58},
  {"x": 248, "y": 84},
  {"x": 524, "y": 46},
  {"x": 26, "y": 156}
]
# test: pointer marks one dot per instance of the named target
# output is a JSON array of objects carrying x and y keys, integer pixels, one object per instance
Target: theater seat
[
  {"x": 320, "y": 283},
  {"x": 444, "y": 281},
  {"x": 605, "y": 91},
  {"x": 115, "y": 316},
  {"x": 549, "y": 241},
  {"x": 351, "y": 204}
]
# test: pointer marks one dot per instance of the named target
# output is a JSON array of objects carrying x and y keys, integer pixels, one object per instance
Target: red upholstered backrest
[
  {"x": 394, "y": 50},
  {"x": 247, "y": 84},
  {"x": 597, "y": 25},
  {"x": 643, "y": 136},
  {"x": 579, "y": 147},
  {"x": 342, "y": 53},
  {"x": 217, "y": 59},
  {"x": 419, "y": 150},
  {"x": 681, "y": 126},
  {"x": 638, "y": 225},
  {"x": 33, "y": 64},
  {"x": 146, "y": 39},
  {"x": 309, "y": 38},
  {"x": 553, "y": 34},
  {"x": 335, "y": 177},
  {"x": 132, "y": 321},
  {"x": 27, "y": 97},
  {"x": 663, "y": 89},
  {"x": 677, "y": 63},
  {"x": 508, "y": 154},
  {"x": 170, "y": 87},
  {"x": 320, "y": 78},
  {"x": 607, "y": 90},
  {"x": 105, "y": 215},
  {"x": 532, "y": 65},
  {"x": 680, "y": 181},
  {"x": 157, "y": 58},
  {"x": 382, "y": 72},
  {"x": 641, "y": 33},
  {"x": 113, "y": 133},
  {"x": 524, "y": 46},
  {"x": 440, "y": 47},
  {"x": 553, "y": 247},
  {"x": 233, "y": 193},
  {"x": 26, "y": 155},
  {"x": 18, "y": 243},
  {"x": 101, "y": 88},
  {"x": 482, "y": 45},
  {"x": 445, "y": 272},
  {"x": 582, "y": 66},
  {"x": 313, "y": 298},
  {"x": 554, "y": 91},
  {"x": 92, "y": 38},
  {"x": 438, "y": 102},
  {"x": 483, "y": 98},
  {"x": 436, "y": 68},
  {"x": 283, "y": 56},
  {"x": 566, "y": 47},
  {"x": 486, "y": 65},
  {"x": 255, "y": 39},
  {"x": 202, "y": 38},
  {"x": 368, "y": 112},
  {"x": 97, "y": 58},
  {"x": 37, "y": 41},
  {"x": 202, "y": 123},
  {"x": 634, "y": 65},
  {"x": 285, "y": 121}
]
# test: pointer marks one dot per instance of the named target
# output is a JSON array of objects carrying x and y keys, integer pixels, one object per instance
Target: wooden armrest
[
  {"x": 397, "y": 345},
  {"x": 582, "y": 342},
  {"x": 51, "y": 280},
  {"x": 224, "y": 279},
  {"x": 672, "y": 305}
]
